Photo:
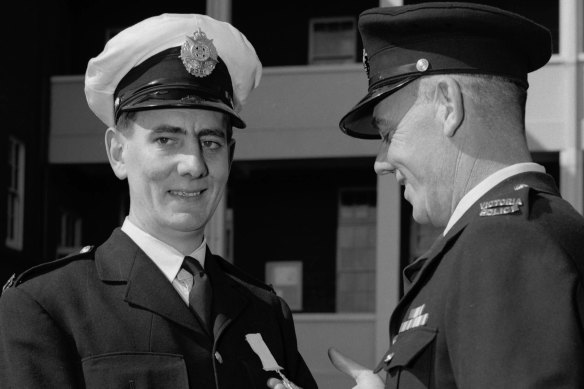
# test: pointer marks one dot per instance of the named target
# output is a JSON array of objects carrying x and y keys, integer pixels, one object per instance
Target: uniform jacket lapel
[
  {"x": 415, "y": 274},
  {"x": 229, "y": 298},
  {"x": 121, "y": 260}
]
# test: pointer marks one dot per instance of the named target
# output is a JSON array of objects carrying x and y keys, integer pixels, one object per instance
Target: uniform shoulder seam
[{"x": 86, "y": 252}]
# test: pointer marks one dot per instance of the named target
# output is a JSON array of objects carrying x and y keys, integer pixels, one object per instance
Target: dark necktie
[{"x": 201, "y": 294}]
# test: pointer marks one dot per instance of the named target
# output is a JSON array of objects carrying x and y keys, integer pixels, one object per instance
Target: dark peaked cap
[{"x": 404, "y": 43}]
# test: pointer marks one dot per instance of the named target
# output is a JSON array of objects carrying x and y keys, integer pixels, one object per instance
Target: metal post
[{"x": 571, "y": 167}]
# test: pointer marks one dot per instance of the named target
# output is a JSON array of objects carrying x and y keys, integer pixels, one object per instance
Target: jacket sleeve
[
  {"x": 295, "y": 369},
  {"x": 514, "y": 316},
  {"x": 34, "y": 351}
]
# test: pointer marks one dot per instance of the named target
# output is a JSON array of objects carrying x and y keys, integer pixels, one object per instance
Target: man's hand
[
  {"x": 365, "y": 378},
  {"x": 275, "y": 383}
]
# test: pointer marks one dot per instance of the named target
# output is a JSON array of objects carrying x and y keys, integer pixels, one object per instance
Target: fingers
[
  {"x": 275, "y": 383},
  {"x": 365, "y": 378},
  {"x": 345, "y": 364}
]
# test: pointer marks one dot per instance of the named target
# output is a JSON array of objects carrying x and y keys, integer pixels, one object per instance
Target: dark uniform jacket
[
  {"x": 499, "y": 301},
  {"x": 108, "y": 318}
]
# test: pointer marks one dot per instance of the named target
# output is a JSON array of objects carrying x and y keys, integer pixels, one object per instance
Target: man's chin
[
  {"x": 420, "y": 216},
  {"x": 187, "y": 223}
]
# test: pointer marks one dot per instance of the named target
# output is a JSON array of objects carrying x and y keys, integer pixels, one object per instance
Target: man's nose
[
  {"x": 382, "y": 165},
  {"x": 192, "y": 163}
]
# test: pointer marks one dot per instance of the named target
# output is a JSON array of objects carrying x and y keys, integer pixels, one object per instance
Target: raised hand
[
  {"x": 364, "y": 377},
  {"x": 274, "y": 383}
]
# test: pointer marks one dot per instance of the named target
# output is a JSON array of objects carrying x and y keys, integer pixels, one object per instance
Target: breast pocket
[
  {"x": 135, "y": 371},
  {"x": 409, "y": 362}
]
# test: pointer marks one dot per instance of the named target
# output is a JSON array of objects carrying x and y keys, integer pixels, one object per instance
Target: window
[
  {"x": 308, "y": 227},
  {"x": 356, "y": 243},
  {"x": 70, "y": 234},
  {"x": 15, "y": 197},
  {"x": 281, "y": 34},
  {"x": 332, "y": 40}
]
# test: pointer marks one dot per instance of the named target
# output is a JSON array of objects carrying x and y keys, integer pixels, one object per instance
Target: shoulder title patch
[{"x": 500, "y": 207}]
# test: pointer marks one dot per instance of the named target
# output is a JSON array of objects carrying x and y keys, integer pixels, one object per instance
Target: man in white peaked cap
[{"x": 152, "y": 307}]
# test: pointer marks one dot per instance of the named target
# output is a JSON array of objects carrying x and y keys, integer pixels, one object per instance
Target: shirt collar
[
  {"x": 473, "y": 195},
  {"x": 167, "y": 258}
]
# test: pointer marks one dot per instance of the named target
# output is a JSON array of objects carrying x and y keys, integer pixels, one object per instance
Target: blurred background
[{"x": 303, "y": 210}]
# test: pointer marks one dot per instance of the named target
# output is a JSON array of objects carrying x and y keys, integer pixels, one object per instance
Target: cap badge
[
  {"x": 199, "y": 55},
  {"x": 422, "y": 65},
  {"x": 366, "y": 62}
]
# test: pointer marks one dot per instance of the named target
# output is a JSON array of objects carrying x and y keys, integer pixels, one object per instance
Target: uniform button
[
  {"x": 394, "y": 340},
  {"x": 422, "y": 65},
  {"x": 388, "y": 357},
  {"x": 218, "y": 357},
  {"x": 85, "y": 249}
]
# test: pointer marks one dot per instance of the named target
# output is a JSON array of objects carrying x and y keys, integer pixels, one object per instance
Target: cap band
[
  {"x": 163, "y": 81},
  {"x": 458, "y": 54}
]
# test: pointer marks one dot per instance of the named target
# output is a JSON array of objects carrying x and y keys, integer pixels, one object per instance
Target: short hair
[
  {"x": 127, "y": 118},
  {"x": 490, "y": 92}
]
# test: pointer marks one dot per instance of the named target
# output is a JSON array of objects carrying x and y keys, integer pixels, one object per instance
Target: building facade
[{"x": 303, "y": 209}]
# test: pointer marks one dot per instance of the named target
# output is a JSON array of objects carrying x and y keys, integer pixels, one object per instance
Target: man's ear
[
  {"x": 231, "y": 151},
  {"x": 450, "y": 105},
  {"x": 114, "y": 146}
]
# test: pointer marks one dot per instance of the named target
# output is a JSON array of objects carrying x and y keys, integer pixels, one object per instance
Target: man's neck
[{"x": 184, "y": 242}]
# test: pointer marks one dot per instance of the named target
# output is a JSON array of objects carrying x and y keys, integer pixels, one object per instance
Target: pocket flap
[
  {"x": 140, "y": 370},
  {"x": 408, "y": 345}
]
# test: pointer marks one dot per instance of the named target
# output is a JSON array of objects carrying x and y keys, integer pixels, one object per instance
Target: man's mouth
[{"x": 181, "y": 193}]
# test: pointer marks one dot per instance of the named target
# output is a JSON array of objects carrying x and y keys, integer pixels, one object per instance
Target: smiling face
[
  {"x": 414, "y": 148},
  {"x": 177, "y": 163}
]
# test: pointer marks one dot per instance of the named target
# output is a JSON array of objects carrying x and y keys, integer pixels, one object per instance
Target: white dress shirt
[
  {"x": 166, "y": 258},
  {"x": 487, "y": 184}
]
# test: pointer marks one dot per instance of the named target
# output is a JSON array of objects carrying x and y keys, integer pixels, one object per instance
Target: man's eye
[
  {"x": 211, "y": 144},
  {"x": 162, "y": 140}
]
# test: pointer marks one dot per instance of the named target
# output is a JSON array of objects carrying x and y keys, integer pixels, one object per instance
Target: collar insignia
[
  {"x": 500, "y": 207},
  {"x": 198, "y": 54}
]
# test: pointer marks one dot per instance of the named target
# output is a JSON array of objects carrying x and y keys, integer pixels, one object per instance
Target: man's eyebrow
[
  {"x": 164, "y": 128},
  {"x": 221, "y": 133}
]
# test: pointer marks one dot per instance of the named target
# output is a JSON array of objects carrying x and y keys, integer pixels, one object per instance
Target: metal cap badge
[
  {"x": 173, "y": 61},
  {"x": 199, "y": 54}
]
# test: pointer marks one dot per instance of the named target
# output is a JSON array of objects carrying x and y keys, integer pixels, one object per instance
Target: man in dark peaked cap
[
  {"x": 498, "y": 300},
  {"x": 152, "y": 307}
]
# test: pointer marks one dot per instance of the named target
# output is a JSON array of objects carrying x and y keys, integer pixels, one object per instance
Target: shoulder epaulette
[
  {"x": 243, "y": 276},
  {"x": 511, "y": 204},
  {"x": 14, "y": 280}
]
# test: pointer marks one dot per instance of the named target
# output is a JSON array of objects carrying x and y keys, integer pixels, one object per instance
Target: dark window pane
[
  {"x": 92, "y": 22},
  {"x": 287, "y": 210},
  {"x": 279, "y": 32}
]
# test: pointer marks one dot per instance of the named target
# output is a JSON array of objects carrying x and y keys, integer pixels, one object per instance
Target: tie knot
[{"x": 193, "y": 266}]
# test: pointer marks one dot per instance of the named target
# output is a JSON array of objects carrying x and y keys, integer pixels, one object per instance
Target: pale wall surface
[{"x": 294, "y": 113}]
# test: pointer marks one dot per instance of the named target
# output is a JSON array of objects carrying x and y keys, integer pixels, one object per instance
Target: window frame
[{"x": 15, "y": 196}]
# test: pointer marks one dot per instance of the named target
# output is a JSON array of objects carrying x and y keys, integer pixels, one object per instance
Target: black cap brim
[
  {"x": 189, "y": 103},
  {"x": 357, "y": 122}
]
